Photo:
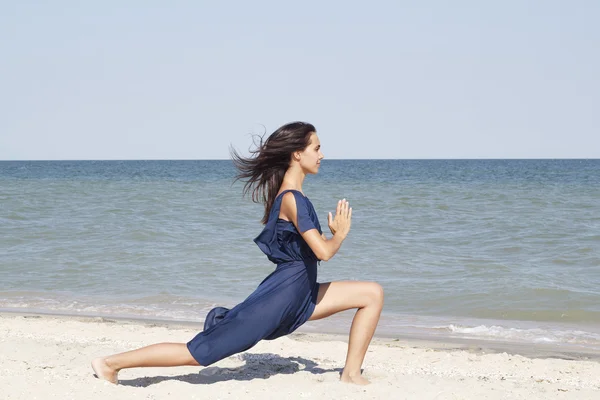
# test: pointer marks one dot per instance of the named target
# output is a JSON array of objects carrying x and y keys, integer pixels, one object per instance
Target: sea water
[{"x": 490, "y": 249}]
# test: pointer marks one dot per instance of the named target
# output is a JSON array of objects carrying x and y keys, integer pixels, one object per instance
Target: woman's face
[{"x": 311, "y": 156}]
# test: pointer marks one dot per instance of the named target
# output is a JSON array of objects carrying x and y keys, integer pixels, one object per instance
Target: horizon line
[{"x": 328, "y": 159}]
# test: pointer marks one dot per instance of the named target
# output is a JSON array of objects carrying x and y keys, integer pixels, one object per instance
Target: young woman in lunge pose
[{"x": 292, "y": 238}]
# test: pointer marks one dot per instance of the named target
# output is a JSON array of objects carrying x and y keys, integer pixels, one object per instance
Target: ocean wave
[{"x": 535, "y": 335}]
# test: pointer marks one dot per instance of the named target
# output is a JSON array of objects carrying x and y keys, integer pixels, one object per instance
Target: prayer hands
[{"x": 343, "y": 219}]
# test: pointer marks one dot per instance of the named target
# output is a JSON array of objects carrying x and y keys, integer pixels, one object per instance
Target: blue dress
[{"x": 281, "y": 303}]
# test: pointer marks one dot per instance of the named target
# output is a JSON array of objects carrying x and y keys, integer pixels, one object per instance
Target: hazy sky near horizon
[{"x": 380, "y": 79}]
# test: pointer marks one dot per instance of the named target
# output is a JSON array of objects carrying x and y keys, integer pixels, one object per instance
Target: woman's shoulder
[
  {"x": 290, "y": 198},
  {"x": 288, "y": 191},
  {"x": 293, "y": 202}
]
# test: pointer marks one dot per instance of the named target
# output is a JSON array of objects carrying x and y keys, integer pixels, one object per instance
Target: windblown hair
[{"x": 264, "y": 170}]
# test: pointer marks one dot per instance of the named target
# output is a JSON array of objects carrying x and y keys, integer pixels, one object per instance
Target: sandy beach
[{"x": 46, "y": 357}]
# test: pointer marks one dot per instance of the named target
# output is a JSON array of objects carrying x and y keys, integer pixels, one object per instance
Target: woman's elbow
[
  {"x": 324, "y": 255},
  {"x": 322, "y": 250}
]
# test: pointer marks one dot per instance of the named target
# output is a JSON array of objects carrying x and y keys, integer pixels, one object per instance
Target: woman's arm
[{"x": 323, "y": 248}]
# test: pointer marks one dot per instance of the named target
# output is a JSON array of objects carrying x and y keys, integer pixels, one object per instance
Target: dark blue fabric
[
  {"x": 282, "y": 302},
  {"x": 280, "y": 240}
]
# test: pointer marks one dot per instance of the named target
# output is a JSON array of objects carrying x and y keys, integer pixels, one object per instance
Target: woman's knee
[{"x": 376, "y": 294}]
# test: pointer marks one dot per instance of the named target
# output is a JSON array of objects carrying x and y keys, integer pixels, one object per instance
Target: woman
[{"x": 292, "y": 238}]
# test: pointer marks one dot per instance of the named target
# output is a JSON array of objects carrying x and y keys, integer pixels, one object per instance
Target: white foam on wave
[
  {"x": 535, "y": 335},
  {"x": 507, "y": 331}
]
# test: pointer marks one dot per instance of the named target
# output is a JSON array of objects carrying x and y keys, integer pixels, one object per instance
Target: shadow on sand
[{"x": 258, "y": 366}]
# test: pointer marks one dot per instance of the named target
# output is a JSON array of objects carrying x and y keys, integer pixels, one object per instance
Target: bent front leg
[{"x": 368, "y": 297}]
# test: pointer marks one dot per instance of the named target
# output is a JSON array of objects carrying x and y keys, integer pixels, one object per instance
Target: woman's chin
[{"x": 313, "y": 171}]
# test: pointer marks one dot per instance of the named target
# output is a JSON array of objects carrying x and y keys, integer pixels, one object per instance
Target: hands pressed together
[{"x": 340, "y": 224}]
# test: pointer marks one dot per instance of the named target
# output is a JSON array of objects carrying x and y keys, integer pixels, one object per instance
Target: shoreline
[
  {"x": 434, "y": 342},
  {"x": 577, "y": 334}
]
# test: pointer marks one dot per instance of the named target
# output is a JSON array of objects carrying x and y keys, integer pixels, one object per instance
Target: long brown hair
[{"x": 264, "y": 170}]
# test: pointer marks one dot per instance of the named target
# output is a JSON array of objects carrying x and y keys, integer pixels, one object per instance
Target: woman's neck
[{"x": 293, "y": 179}]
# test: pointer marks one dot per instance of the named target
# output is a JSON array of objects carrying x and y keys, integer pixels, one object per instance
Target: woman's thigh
[{"x": 339, "y": 296}]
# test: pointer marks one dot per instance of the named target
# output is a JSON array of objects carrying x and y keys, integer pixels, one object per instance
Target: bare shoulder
[{"x": 288, "y": 207}]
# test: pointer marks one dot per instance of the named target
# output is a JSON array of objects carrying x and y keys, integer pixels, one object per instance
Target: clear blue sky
[{"x": 393, "y": 79}]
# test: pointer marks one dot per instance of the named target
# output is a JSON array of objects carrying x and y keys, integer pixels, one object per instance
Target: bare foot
[
  {"x": 103, "y": 371},
  {"x": 355, "y": 379}
]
